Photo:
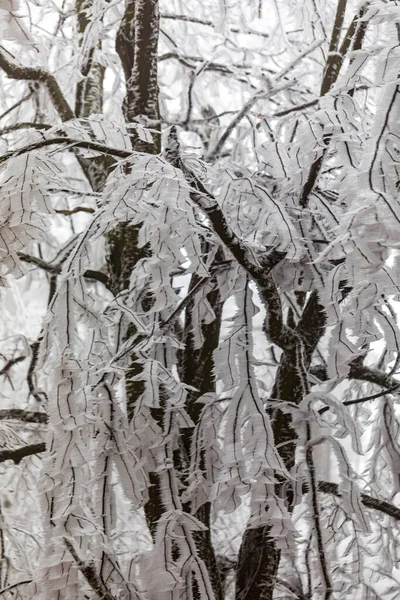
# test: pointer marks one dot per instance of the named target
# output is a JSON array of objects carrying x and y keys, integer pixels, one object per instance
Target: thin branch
[
  {"x": 26, "y": 416},
  {"x": 260, "y": 94},
  {"x": 10, "y": 363},
  {"x": 364, "y": 399},
  {"x": 316, "y": 518},
  {"x": 189, "y": 19},
  {"x": 296, "y": 593},
  {"x": 13, "y": 586},
  {"x": 89, "y": 572},
  {"x": 299, "y": 58},
  {"x": 70, "y": 143},
  {"x": 297, "y": 108},
  {"x": 278, "y": 332},
  {"x": 17, "y": 454},
  {"x": 16, "y": 105},
  {"x": 56, "y": 269},
  {"x": 78, "y": 209},
  {"x": 18, "y": 126},
  {"x": 327, "y": 487}
]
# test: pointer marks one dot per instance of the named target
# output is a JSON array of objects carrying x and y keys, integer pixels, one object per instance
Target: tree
[{"x": 200, "y": 219}]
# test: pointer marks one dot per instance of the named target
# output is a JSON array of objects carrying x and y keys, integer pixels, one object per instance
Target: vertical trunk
[
  {"x": 197, "y": 367},
  {"x": 259, "y": 556}
]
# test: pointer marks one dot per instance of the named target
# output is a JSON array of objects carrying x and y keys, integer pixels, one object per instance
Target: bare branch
[
  {"x": 56, "y": 269},
  {"x": 16, "y": 105},
  {"x": 241, "y": 114},
  {"x": 206, "y": 23},
  {"x": 18, "y": 126},
  {"x": 15, "y": 71},
  {"x": 17, "y": 454},
  {"x": 10, "y": 363},
  {"x": 26, "y": 416},
  {"x": 382, "y": 506},
  {"x": 70, "y": 144},
  {"x": 13, "y": 586},
  {"x": 364, "y": 399},
  {"x": 73, "y": 211},
  {"x": 277, "y": 330}
]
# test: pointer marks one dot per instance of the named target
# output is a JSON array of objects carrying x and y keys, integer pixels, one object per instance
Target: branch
[
  {"x": 18, "y": 126},
  {"x": 16, "y": 105},
  {"x": 14, "y": 585},
  {"x": 241, "y": 114},
  {"x": 56, "y": 269},
  {"x": 10, "y": 363},
  {"x": 300, "y": 107},
  {"x": 327, "y": 487},
  {"x": 90, "y": 574},
  {"x": 364, "y": 399},
  {"x": 73, "y": 211},
  {"x": 70, "y": 143},
  {"x": 296, "y": 593},
  {"x": 278, "y": 332},
  {"x": 15, "y": 71},
  {"x": 17, "y": 454},
  {"x": 360, "y": 371},
  {"x": 316, "y": 518},
  {"x": 26, "y": 416},
  {"x": 189, "y": 19}
]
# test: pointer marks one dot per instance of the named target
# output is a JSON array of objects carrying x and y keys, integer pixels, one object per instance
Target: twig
[{"x": 298, "y": 108}]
